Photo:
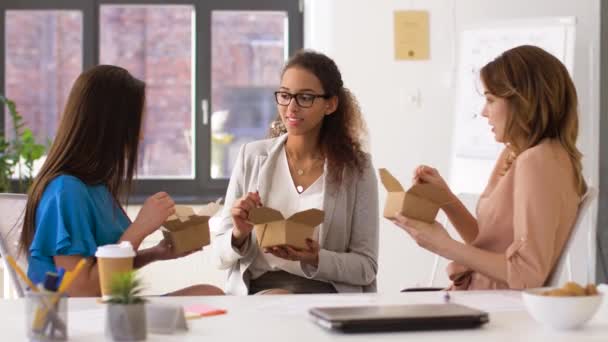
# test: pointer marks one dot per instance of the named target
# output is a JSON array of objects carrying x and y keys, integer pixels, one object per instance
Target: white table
[{"x": 285, "y": 318}]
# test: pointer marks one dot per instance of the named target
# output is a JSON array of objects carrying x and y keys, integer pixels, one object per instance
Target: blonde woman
[{"x": 526, "y": 212}]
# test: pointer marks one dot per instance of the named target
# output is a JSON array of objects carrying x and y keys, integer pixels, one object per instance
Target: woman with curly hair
[
  {"x": 313, "y": 159},
  {"x": 526, "y": 213}
]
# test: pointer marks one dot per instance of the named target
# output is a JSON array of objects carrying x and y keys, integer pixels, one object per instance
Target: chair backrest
[
  {"x": 469, "y": 200},
  {"x": 579, "y": 229},
  {"x": 12, "y": 210}
]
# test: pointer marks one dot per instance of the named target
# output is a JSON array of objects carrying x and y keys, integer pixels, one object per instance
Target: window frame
[{"x": 203, "y": 187}]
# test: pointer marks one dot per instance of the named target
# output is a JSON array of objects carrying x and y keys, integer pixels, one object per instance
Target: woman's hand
[
  {"x": 164, "y": 251},
  {"x": 307, "y": 256},
  {"x": 156, "y": 209},
  {"x": 432, "y": 237},
  {"x": 426, "y": 174},
  {"x": 240, "y": 215}
]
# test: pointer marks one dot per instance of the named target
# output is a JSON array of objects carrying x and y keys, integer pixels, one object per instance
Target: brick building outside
[{"x": 44, "y": 57}]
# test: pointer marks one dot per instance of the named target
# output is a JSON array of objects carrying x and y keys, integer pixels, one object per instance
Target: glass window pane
[
  {"x": 154, "y": 42},
  {"x": 248, "y": 51},
  {"x": 43, "y": 57}
]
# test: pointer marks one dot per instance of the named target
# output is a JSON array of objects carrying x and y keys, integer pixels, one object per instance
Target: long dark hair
[
  {"x": 97, "y": 139},
  {"x": 341, "y": 132},
  {"x": 542, "y": 100}
]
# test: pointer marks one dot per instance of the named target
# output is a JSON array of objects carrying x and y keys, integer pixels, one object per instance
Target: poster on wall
[{"x": 412, "y": 37}]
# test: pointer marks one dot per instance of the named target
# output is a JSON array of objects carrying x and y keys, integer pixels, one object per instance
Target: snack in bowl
[
  {"x": 572, "y": 289},
  {"x": 568, "y": 307}
]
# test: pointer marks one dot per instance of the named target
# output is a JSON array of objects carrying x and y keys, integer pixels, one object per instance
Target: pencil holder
[{"x": 46, "y": 316}]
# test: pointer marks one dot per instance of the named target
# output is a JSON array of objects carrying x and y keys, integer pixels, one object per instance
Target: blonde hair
[{"x": 542, "y": 101}]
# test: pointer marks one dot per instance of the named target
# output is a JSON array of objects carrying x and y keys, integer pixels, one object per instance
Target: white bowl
[{"x": 560, "y": 312}]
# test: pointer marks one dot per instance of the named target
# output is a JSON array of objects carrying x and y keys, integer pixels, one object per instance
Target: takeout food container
[
  {"x": 420, "y": 201},
  {"x": 188, "y": 231},
  {"x": 272, "y": 229}
]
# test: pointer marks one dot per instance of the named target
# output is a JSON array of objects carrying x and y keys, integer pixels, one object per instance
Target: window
[
  {"x": 138, "y": 38},
  {"x": 248, "y": 50},
  {"x": 43, "y": 57},
  {"x": 210, "y": 69}
]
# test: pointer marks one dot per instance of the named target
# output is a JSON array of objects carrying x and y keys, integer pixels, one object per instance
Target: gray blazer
[{"x": 348, "y": 258}]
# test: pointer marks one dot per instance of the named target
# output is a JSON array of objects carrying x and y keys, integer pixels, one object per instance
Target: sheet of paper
[{"x": 411, "y": 35}]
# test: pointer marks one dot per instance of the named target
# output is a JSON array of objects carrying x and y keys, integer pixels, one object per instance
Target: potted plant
[
  {"x": 17, "y": 155},
  {"x": 126, "y": 312}
]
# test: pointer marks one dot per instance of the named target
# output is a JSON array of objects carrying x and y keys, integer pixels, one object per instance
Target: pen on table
[{"x": 446, "y": 297}]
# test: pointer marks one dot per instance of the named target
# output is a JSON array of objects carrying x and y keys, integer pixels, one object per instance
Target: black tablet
[{"x": 399, "y": 317}]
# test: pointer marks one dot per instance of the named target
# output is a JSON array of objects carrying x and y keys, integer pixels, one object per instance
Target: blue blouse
[{"x": 73, "y": 218}]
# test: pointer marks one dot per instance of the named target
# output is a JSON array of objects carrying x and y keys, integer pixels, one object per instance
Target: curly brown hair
[{"x": 342, "y": 132}]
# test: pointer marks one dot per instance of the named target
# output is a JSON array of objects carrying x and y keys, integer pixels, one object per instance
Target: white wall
[{"x": 358, "y": 34}]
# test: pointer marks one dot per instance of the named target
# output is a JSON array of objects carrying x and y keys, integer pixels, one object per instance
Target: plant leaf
[{"x": 126, "y": 288}]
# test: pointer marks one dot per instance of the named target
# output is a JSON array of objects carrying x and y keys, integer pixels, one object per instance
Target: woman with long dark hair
[{"x": 74, "y": 202}]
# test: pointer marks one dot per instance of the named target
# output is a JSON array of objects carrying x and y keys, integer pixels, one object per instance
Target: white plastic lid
[{"x": 122, "y": 250}]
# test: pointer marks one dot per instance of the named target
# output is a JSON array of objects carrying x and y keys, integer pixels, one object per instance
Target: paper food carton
[
  {"x": 420, "y": 202},
  {"x": 272, "y": 229},
  {"x": 188, "y": 231}
]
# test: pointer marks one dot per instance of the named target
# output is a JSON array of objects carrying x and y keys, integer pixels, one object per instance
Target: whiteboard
[{"x": 478, "y": 46}]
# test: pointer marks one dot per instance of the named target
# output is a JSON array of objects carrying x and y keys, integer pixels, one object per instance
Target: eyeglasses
[{"x": 303, "y": 100}]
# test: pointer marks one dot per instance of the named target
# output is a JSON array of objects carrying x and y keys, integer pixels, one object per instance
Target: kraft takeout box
[
  {"x": 272, "y": 229},
  {"x": 188, "y": 231},
  {"x": 420, "y": 202}
]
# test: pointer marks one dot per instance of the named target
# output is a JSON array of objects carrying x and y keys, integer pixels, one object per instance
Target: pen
[
  {"x": 60, "y": 274},
  {"x": 63, "y": 287},
  {"x": 446, "y": 297},
  {"x": 41, "y": 314},
  {"x": 21, "y": 274},
  {"x": 51, "y": 281}
]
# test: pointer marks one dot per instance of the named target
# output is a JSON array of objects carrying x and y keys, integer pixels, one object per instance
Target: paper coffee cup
[{"x": 112, "y": 259}]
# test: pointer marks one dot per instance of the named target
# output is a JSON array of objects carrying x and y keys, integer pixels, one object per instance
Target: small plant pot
[{"x": 126, "y": 322}]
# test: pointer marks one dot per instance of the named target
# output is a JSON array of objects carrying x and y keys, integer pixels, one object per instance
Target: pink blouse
[{"x": 526, "y": 214}]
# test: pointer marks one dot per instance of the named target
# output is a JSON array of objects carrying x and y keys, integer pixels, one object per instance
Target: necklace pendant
[
  {"x": 300, "y": 189},
  {"x": 300, "y": 172}
]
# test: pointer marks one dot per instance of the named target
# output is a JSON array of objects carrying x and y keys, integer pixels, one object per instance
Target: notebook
[{"x": 399, "y": 317}]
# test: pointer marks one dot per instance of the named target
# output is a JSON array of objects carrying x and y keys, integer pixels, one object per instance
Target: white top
[{"x": 284, "y": 197}]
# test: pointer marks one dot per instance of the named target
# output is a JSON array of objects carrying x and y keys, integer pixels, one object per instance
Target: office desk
[{"x": 285, "y": 318}]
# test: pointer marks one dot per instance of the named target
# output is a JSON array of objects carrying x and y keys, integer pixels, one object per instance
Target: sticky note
[{"x": 203, "y": 310}]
